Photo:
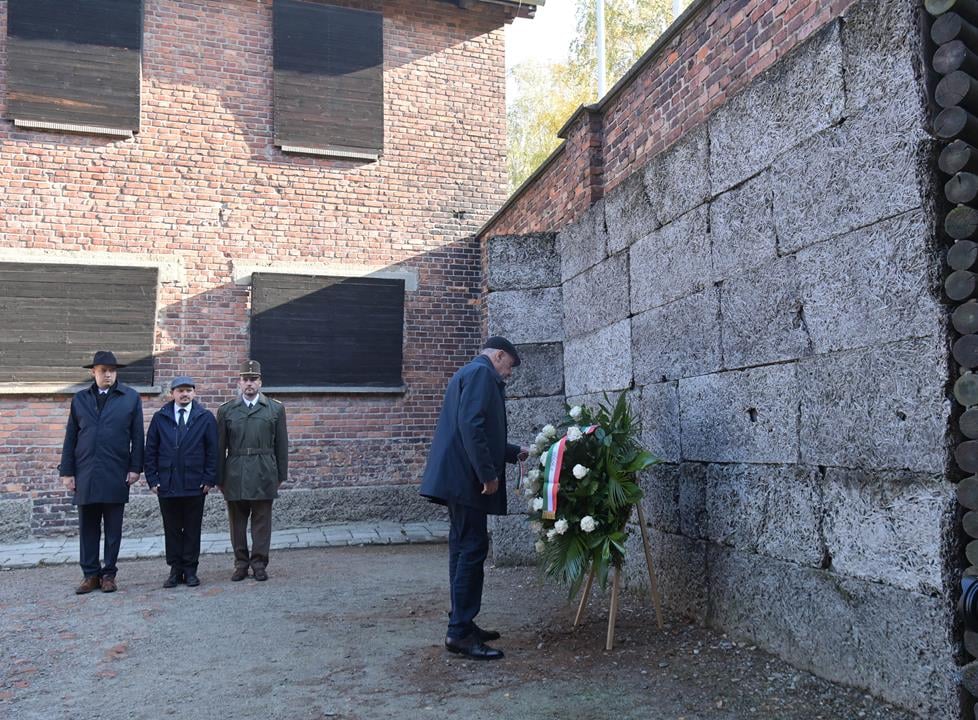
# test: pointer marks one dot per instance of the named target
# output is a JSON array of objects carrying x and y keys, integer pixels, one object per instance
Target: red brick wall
[
  {"x": 720, "y": 48},
  {"x": 202, "y": 182}
]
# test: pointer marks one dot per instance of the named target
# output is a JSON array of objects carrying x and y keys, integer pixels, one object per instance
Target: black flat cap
[
  {"x": 497, "y": 342},
  {"x": 103, "y": 357}
]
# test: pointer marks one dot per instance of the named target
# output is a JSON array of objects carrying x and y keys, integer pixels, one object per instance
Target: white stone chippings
[
  {"x": 597, "y": 297},
  {"x": 677, "y": 340},
  {"x": 796, "y": 98},
  {"x": 671, "y": 262},
  {"x": 678, "y": 179},
  {"x": 599, "y": 361},
  {"x": 526, "y": 316}
]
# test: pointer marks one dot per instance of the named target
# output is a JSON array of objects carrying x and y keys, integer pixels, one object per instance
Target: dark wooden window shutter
[
  {"x": 327, "y": 331},
  {"x": 74, "y": 63},
  {"x": 329, "y": 79},
  {"x": 54, "y": 317}
]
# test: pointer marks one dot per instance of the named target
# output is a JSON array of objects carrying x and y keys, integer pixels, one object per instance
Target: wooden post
[
  {"x": 968, "y": 424},
  {"x": 951, "y": 26},
  {"x": 653, "y": 582},
  {"x": 584, "y": 596},
  {"x": 957, "y": 88},
  {"x": 613, "y": 614},
  {"x": 955, "y": 55},
  {"x": 966, "y": 456},
  {"x": 967, "y": 492},
  {"x": 963, "y": 254},
  {"x": 965, "y": 8},
  {"x": 962, "y": 187},
  {"x": 966, "y": 389},
  {"x": 954, "y": 122},
  {"x": 957, "y": 157},
  {"x": 965, "y": 351},
  {"x": 961, "y": 222}
]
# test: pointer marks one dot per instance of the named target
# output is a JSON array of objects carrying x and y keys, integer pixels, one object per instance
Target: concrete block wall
[{"x": 777, "y": 323}]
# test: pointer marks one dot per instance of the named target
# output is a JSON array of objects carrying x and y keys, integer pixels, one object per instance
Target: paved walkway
[{"x": 61, "y": 550}]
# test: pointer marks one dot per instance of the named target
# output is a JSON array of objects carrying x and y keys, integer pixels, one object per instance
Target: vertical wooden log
[
  {"x": 963, "y": 254},
  {"x": 965, "y": 351},
  {"x": 967, "y": 492},
  {"x": 958, "y": 156},
  {"x": 968, "y": 424},
  {"x": 960, "y": 285},
  {"x": 970, "y": 524},
  {"x": 955, "y": 55},
  {"x": 965, "y": 8},
  {"x": 966, "y": 389},
  {"x": 957, "y": 89},
  {"x": 585, "y": 594},
  {"x": 951, "y": 26},
  {"x": 962, "y": 187},
  {"x": 961, "y": 222},
  {"x": 613, "y": 613},
  {"x": 653, "y": 582},
  {"x": 956, "y": 122},
  {"x": 966, "y": 455}
]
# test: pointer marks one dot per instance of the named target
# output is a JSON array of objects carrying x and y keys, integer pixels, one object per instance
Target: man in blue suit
[
  {"x": 181, "y": 468},
  {"x": 467, "y": 472}
]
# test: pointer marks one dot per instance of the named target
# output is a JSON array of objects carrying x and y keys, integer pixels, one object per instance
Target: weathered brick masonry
[{"x": 202, "y": 189}]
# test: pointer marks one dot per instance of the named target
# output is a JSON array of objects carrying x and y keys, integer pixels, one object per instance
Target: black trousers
[
  {"x": 90, "y": 520},
  {"x": 468, "y": 546},
  {"x": 182, "y": 518},
  {"x": 260, "y": 512}
]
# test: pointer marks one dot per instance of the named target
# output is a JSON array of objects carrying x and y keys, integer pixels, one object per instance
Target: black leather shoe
[
  {"x": 239, "y": 574},
  {"x": 485, "y": 635},
  {"x": 471, "y": 646},
  {"x": 192, "y": 580},
  {"x": 259, "y": 574},
  {"x": 173, "y": 580}
]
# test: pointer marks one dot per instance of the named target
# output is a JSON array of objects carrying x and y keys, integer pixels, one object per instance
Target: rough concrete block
[
  {"x": 873, "y": 166},
  {"x": 884, "y": 407},
  {"x": 894, "y": 643},
  {"x": 520, "y": 262},
  {"x": 882, "y": 52},
  {"x": 890, "y": 527},
  {"x": 527, "y": 416},
  {"x": 773, "y": 510},
  {"x": 799, "y": 96},
  {"x": 599, "y": 360},
  {"x": 142, "y": 517},
  {"x": 596, "y": 298},
  {"x": 742, "y": 228},
  {"x": 308, "y": 508},
  {"x": 885, "y": 294},
  {"x": 678, "y": 340},
  {"x": 526, "y": 316},
  {"x": 679, "y": 564},
  {"x": 678, "y": 179},
  {"x": 583, "y": 243},
  {"x": 671, "y": 262},
  {"x": 658, "y": 411},
  {"x": 693, "y": 517},
  {"x": 512, "y": 539},
  {"x": 628, "y": 213},
  {"x": 15, "y": 520},
  {"x": 763, "y": 315},
  {"x": 541, "y": 371},
  {"x": 741, "y": 416},
  {"x": 607, "y": 398},
  {"x": 660, "y": 502}
]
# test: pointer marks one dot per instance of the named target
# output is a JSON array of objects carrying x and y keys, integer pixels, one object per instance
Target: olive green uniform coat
[{"x": 252, "y": 449}]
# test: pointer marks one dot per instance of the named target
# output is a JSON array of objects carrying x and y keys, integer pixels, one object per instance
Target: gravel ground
[{"x": 356, "y": 633}]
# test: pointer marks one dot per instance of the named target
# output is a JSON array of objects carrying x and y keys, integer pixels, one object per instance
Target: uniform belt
[{"x": 252, "y": 451}]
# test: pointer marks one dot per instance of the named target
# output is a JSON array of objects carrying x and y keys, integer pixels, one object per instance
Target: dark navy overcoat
[
  {"x": 101, "y": 449},
  {"x": 469, "y": 447},
  {"x": 179, "y": 469}
]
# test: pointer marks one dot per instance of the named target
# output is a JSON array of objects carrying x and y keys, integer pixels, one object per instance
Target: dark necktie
[{"x": 181, "y": 424}]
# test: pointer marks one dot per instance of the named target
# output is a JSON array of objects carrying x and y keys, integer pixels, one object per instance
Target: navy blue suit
[
  {"x": 179, "y": 464},
  {"x": 469, "y": 449},
  {"x": 101, "y": 447}
]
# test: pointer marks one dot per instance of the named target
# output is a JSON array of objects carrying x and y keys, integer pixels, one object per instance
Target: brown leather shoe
[
  {"x": 108, "y": 584},
  {"x": 239, "y": 574},
  {"x": 90, "y": 583}
]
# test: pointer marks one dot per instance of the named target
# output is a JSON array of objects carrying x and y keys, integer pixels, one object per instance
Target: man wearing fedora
[
  {"x": 466, "y": 471},
  {"x": 101, "y": 458},
  {"x": 252, "y": 461},
  {"x": 181, "y": 468}
]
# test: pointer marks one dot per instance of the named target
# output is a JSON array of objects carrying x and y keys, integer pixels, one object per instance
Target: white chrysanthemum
[
  {"x": 540, "y": 546},
  {"x": 533, "y": 475},
  {"x": 538, "y": 503},
  {"x": 588, "y": 524},
  {"x": 541, "y": 439},
  {"x": 576, "y": 412},
  {"x": 543, "y": 459},
  {"x": 529, "y": 490},
  {"x": 549, "y": 431},
  {"x": 536, "y": 526},
  {"x": 561, "y": 526},
  {"x": 574, "y": 434},
  {"x": 551, "y": 534},
  {"x": 580, "y": 472}
]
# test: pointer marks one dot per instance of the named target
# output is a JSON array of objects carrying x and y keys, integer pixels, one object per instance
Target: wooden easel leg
[
  {"x": 653, "y": 584},
  {"x": 584, "y": 596},
  {"x": 613, "y": 614}
]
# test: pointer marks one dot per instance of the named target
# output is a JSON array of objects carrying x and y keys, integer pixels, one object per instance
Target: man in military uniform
[{"x": 253, "y": 460}]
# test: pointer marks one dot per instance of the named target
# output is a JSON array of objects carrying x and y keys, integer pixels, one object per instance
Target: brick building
[{"x": 190, "y": 182}]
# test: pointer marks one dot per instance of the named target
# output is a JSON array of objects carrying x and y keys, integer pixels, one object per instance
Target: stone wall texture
[
  {"x": 203, "y": 189},
  {"x": 782, "y": 338}
]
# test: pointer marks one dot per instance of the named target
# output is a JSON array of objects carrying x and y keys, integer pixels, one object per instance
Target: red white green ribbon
[{"x": 553, "y": 461}]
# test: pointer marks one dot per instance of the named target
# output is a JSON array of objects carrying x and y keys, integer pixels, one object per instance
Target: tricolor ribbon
[{"x": 553, "y": 461}]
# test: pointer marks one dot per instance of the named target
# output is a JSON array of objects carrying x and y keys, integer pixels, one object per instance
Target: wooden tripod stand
[{"x": 616, "y": 582}]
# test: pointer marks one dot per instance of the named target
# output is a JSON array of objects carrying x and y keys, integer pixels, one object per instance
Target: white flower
[
  {"x": 533, "y": 475},
  {"x": 580, "y": 472},
  {"x": 543, "y": 459},
  {"x": 561, "y": 526},
  {"x": 540, "y": 545},
  {"x": 575, "y": 412},
  {"x": 529, "y": 491},
  {"x": 574, "y": 434},
  {"x": 538, "y": 503},
  {"x": 541, "y": 439},
  {"x": 551, "y": 534},
  {"x": 588, "y": 524},
  {"x": 549, "y": 431}
]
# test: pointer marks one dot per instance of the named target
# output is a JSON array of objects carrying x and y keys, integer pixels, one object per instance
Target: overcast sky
[{"x": 545, "y": 37}]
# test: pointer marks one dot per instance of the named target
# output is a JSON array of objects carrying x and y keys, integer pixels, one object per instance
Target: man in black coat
[
  {"x": 467, "y": 472},
  {"x": 181, "y": 468},
  {"x": 101, "y": 458}
]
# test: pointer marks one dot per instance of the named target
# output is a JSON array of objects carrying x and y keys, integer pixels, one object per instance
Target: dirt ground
[{"x": 356, "y": 634}]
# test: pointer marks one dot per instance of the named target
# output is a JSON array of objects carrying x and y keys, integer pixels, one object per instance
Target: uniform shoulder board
[
  {"x": 224, "y": 405},
  {"x": 277, "y": 402}
]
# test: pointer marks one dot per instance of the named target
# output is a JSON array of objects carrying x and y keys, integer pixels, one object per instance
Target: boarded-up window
[
  {"x": 54, "y": 317},
  {"x": 327, "y": 331},
  {"x": 74, "y": 63},
  {"x": 329, "y": 84}
]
